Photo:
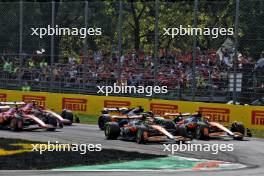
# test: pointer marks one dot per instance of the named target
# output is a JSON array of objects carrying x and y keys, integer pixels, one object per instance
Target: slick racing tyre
[
  {"x": 102, "y": 120},
  {"x": 181, "y": 131},
  {"x": 52, "y": 121},
  {"x": 16, "y": 124},
  {"x": 239, "y": 128},
  {"x": 67, "y": 114},
  {"x": 112, "y": 130},
  {"x": 202, "y": 132},
  {"x": 168, "y": 124},
  {"x": 140, "y": 136}
]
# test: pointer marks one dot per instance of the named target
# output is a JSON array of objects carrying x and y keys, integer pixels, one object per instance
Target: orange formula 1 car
[
  {"x": 202, "y": 128},
  {"x": 146, "y": 129},
  {"x": 118, "y": 114}
]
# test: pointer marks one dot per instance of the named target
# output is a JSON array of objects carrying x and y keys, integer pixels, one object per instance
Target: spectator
[
  {"x": 227, "y": 60},
  {"x": 26, "y": 87},
  {"x": 8, "y": 67},
  {"x": 137, "y": 68}
]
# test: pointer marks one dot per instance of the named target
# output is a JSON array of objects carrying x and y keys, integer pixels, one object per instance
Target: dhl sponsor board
[{"x": 251, "y": 116}]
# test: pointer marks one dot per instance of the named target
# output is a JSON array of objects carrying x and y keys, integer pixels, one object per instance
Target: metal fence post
[
  {"x": 211, "y": 85},
  {"x": 85, "y": 57},
  {"x": 156, "y": 41},
  {"x": 194, "y": 51},
  {"x": 20, "y": 42},
  {"x": 52, "y": 46},
  {"x": 235, "y": 56},
  {"x": 119, "y": 29}
]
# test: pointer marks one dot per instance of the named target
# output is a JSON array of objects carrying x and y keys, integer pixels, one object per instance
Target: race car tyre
[
  {"x": 13, "y": 124},
  {"x": 112, "y": 130},
  {"x": 61, "y": 124},
  {"x": 181, "y": 131},
  {"x": 102, "y": 120},
  {"x": 67, "y": 114},
  {"x": 52, "y": 121},
  {"x": 16, "y": 124},
  {"x": 20, "y": 124},
  {"x": 200, "y": 132},
  {"x": 77, "y": 119},
  {"x": 169, "y": 124},
  {"x": 140, "y": 138},
  {"x": 238, "y": 127}
]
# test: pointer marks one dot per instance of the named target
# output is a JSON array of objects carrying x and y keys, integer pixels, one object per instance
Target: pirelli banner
[{"x": 251, "y": 116}]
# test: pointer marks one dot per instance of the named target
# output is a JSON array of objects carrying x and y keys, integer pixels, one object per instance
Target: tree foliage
[{"x": 137, "y": 25}]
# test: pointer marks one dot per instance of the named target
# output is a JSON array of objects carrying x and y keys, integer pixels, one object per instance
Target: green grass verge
[
  {"x": 88, "y": 119},
  {"x": 92, "y": 119},
  {"x": 257, "y": 133}
]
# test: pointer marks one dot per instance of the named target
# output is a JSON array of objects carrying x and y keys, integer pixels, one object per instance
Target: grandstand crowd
[{"x": 174, "y": 68}]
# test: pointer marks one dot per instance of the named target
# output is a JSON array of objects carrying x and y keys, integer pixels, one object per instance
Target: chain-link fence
[{"x": 133, "y": 43}]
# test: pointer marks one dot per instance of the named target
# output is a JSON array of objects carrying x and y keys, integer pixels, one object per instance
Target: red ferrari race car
[
  {"x": 33, "y": 116},
  {"x": 66, "y": 117},
  {"x": 15, "y": 119}
]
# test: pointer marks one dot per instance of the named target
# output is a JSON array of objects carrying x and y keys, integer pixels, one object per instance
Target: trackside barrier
[{"x": 251, "y": 116}]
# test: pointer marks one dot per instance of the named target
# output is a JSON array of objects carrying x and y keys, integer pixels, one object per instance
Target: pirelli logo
[
  {"x": 216, "y": 114},
  {"x": 161, "y": 109},
  {"x": 257, "y": 118},
  {"x": 3, "y": 97},
  {"x": 116, "y": 104},
  {"x": 74, "y": 104},
  {"x": 40, "y": 100}
]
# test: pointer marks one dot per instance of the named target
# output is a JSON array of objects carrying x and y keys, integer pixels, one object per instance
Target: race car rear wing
[
  {"x": 115, "y": 109},
  {"x": 106, "y": 110},
  {"x": 177, "y": 114},
  {"x": 12, "y": 103},
  {"x": 5, "y": 107}
]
